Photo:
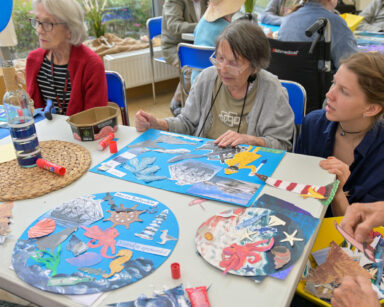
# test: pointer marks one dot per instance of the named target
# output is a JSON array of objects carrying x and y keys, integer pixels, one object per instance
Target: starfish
[
  {"x": 245, "y": 234},
  {"x": 291, "y": 238}
]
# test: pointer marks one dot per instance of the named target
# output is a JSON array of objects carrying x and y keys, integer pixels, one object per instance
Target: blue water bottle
[{"x": 20, "y": 119}]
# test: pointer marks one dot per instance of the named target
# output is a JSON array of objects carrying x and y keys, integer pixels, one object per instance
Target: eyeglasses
[
  {"x": 47, "y": 26},
  {"x": 231, "y": 69}
]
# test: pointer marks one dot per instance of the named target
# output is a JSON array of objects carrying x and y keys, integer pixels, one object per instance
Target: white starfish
[
  {"x": 165, "y": 237},
  {"x": 245, "y": 234},
  {"x": 291, "y": 238}
]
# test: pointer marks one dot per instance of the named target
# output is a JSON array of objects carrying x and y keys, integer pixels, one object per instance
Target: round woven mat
[{"x": 21, "y": 183}]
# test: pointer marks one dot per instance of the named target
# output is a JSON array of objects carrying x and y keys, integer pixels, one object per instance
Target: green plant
[
  {"x": 26, "y": 38},
  {"x": 94, "y": 10},
  {"x": 249, "y": 5}
]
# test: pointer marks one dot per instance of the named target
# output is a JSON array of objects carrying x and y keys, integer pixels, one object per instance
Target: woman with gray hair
[
  {"x": 63, "y": 69},
  {"x": 236, "y": 101}
]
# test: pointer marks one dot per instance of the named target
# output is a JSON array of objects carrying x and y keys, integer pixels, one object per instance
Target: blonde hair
[
  {"x": 69, "y": 12},
  {"x": 369, "y": 69}
]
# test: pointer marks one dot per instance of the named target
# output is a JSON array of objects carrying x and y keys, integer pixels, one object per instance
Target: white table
[{"x": 225, "y": 291}]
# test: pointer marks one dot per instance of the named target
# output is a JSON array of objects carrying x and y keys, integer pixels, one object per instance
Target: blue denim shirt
[
  {"x": 366, "y": 182},
  {"x": 293, "y": 27}
]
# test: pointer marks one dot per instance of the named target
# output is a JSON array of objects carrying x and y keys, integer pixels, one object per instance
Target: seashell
[{"x": 42, "y": 228}]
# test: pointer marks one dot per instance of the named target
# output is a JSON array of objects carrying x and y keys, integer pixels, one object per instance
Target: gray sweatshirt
[{"x": 271, "y": 117}]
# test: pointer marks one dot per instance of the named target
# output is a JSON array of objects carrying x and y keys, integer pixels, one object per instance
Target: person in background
[
  {"x": 179, "y": 16},
  {"x": 349, "y": 133},
  {"x": 359, "y": 220},
  {"x": 216, "y": 18},
  {"x": 293, "y": 27},
  {"x": 277, "y": 9},
  {"x": 235, "y": 101},
  {"x": 373, "y": 17},
  {"x": 63, "y": 69}
]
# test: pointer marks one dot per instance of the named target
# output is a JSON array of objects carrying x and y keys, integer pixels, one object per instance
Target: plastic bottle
[{"x": 20, "y": 119}]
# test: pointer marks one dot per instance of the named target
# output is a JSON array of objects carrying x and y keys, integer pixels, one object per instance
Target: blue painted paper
[
  {"x": 195, "y": 167},
  {"x": 155, "y": 217}
]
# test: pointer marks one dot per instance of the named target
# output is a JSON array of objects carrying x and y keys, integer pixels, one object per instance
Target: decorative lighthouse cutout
[{"x": 152, "y": 228}]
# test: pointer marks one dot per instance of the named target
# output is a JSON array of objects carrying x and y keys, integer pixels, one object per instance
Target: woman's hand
[
  {"x": 145, "y": 121},
  {"x": 355, "y": 292},
  {"x": 342, "y": 172},
  {"x": 232, "y": 138},
  {"x": 337, "y": 167}
]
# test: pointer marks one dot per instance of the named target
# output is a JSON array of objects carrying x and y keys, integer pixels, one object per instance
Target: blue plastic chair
[
  {"x": 154, "y": 29},
  {"x": 297, "y": 97},
  {"x": 116, "y": 93},
  {"x": 192, "y": 56}
]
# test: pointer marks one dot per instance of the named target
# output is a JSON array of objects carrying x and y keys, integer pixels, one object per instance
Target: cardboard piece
[{"x": 93, "y": 124}]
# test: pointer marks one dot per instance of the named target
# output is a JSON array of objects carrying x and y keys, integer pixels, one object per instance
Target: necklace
[{"x": 343, "y": 132}]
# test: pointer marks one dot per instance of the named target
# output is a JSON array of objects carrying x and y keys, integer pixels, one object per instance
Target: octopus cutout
[
  {"x": 235, "y": 256},
  {"x": 105, "y": 238},
  {"x": 124, "y": 217}
]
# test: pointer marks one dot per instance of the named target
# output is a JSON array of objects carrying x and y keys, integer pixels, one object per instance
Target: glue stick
[
  {"x": 105, "y": 141},
  {"x": 52, "y": 167},
  {"x": 198, "y": 296}
]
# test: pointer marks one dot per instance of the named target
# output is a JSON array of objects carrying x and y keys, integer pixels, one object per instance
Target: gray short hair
[
  {"x": 69, "y": 12},
  {"x": 247, "y": 40}
]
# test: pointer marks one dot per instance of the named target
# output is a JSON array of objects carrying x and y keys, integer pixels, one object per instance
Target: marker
[
  {"x": 52, "y": 167},
  {"x": 105, "y": 141}
]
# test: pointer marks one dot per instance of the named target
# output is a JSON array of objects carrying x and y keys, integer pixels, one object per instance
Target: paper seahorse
[
  {"x": 117, "y": 265},
  {"x": 241, "y": 160}
]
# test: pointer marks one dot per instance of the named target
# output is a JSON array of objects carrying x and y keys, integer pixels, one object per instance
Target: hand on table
[
  {"x": 232, "y": 138},
  {"x": 355, "y": 292}
]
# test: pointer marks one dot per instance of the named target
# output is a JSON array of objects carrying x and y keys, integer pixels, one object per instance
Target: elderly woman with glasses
[
  {"x": 63, "y": 69},
  {"x": 236, "y": 101}
]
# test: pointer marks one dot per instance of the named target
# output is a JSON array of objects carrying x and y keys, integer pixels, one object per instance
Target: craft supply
[
  {"x": 105, "y": 141},
  {"x": 113, "y": 147},
  {"x": 175, "y": 270},
  {"x": 20, "y": 119},
  {"x": 198, "y": 296},
  {"x": 52, "y": 167},
  {"x": 49, "y": 109},
  {"x": 75, "y": 157}
]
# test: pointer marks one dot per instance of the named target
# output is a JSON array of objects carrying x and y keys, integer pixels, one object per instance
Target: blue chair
[
  {"x": 116, "y": 93},
  {"x": 192, "y": 56},
  {"x": 154, "y": 29},
  {"x": 297, "y": 100}
]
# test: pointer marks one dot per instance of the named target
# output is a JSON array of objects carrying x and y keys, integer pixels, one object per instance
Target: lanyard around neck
[{"x": 54, "y": 87}]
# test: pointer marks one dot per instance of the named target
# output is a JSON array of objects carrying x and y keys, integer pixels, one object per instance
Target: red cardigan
[{"x": 86, "y": 73}]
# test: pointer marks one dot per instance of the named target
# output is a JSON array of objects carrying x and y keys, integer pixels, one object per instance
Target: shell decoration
[{"x": 42, "y": 228}]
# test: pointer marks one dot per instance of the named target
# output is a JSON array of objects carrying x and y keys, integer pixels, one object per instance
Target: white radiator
[{"x": 135, "y": 67}]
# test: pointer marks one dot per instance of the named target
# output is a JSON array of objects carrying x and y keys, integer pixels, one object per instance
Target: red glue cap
[
  {"x": 112, "y": 147},
  {"x": 175, "y": 270}
]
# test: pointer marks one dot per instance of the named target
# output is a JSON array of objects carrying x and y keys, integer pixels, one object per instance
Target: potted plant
[{"x": 93, "y": 14}]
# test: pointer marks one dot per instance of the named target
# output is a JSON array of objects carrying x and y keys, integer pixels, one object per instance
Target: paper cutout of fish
[
  {"x": 85, "y": 260},
  {"x": 52, "y": 241}
]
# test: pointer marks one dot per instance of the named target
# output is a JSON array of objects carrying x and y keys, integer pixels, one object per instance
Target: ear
[{"x": 372, "y": 110}]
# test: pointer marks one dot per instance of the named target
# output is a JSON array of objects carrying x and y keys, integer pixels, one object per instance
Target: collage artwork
[
  {"x": 96, "y": 243},
  {"x": 194, "y": 166}
]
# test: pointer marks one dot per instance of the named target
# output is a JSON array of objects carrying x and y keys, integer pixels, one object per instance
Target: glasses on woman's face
[
  {"x": 47, "y": 26},
  {"x": 233, "y": 69}
]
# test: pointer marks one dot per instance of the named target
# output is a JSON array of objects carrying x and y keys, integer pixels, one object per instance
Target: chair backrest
[
  {"x": 297, "y": 99},
  {"x": 154, "y": 27},
  {"x": 116, "y": 93},
  {"x": 192, "y": 56},
  {"x": 292, "y": 61}
]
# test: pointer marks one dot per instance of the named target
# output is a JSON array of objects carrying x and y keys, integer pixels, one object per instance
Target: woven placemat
[{"x": 21, "y": 183}]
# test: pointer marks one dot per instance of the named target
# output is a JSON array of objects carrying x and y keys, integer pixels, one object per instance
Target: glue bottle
[{"x": 20, "y": 119}]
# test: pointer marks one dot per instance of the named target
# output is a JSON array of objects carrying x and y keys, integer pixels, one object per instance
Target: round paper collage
[
  {"x": 250, "y": 242},
  {"x": 96, "y": 243}
]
